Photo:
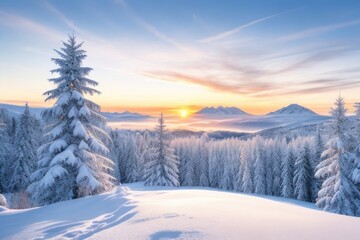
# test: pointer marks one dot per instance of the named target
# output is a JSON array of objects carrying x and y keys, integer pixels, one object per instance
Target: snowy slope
[{"x": 135, "y": 212}]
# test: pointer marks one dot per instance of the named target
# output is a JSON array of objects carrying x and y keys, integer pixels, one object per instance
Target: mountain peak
[
  {"x": 293, "y": 109},
  {"x": 222, "y": 110}
]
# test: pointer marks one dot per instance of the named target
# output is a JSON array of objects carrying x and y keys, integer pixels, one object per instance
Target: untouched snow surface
[{"x": 133, "y": 211}]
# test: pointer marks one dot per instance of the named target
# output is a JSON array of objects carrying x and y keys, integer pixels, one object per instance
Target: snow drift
[{"x": 133, "y": 211}]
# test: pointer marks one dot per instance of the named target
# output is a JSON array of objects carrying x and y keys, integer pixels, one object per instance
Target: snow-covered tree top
[{"x": 72, "y": 74}]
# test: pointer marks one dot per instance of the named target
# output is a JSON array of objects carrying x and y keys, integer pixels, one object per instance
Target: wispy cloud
[
  {"x": 235, "y": 30},
  {"x": 25, "y": 24},
  {"x": 315, "y": 86},
  {"x": 314, "y": 59},
  {"x": 211, "y": 82},
  {"x": 319, "y": 30},
  {"x": 152, "y": 29}
]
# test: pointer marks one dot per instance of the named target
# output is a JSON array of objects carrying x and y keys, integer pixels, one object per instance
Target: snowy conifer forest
[{"x": 71, "y": 153}]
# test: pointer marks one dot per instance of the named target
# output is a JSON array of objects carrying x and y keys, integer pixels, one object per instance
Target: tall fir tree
[
  {"x": 7, "y": 132},
  {"x": 3, "y": 150},
  {"x": 287, "y": 174},
  {"x": 260, "y": 168},
  {"x": 338, "y": 193},
  {"x": 162, "y": 170},
  {"x": 72, "y": 161},
  {"x": 204, "y": 161},
  {"x": 132, "y": 162},
  {"x": 318, "y": 149},
  {"x": 303, "y": 174},
  {"x": 26, "y": 144},
  {"x": 247, "y": 180}
]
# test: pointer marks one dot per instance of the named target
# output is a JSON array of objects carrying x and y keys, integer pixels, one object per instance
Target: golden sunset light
[{"x": 184, "y": 113}]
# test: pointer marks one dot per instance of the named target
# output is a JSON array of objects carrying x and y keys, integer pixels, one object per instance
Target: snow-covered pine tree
[
  {"x": 216, "y": 167},
  {"x": 270, "y": 156},
  {"x": 338, "y": 193},
  {"x": 355, "y": 169},
  {"x": 25, "y": 155},
  {"x": 226, "y": 181},
  {"x": 303, "y": 174},
  {"x": 132, "y": 164},
  {"x": 6, "y": 149},
  {"x": 247, "y": 180},
  {"x": 318, "y": 148},
  {"x": 260, "y": 167},
  {"x": 162, "y": 170},
  {"x": 188, "y": 166},
  {"x": 3, "y": 150},
  {"x": 287, "y": 174},
  {"x": 72, "y": 161},
  {"x": 114, "y": 154},
  {"x": 278, "y": 155},
  {"x": 204, "y": 161}
]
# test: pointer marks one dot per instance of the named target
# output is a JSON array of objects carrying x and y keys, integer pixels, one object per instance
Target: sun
[{"x": 184, "y": 113}]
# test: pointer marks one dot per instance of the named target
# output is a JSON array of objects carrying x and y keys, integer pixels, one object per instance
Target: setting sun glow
[{"x": 184, "y": 113}]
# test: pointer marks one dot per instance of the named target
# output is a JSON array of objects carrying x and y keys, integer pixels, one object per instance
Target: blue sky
[{"x": 165, "y": 55}]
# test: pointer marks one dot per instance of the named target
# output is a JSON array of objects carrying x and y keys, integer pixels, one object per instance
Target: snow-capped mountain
[
  {"x": 222, "y": 110},
  {"x": 293, "y": 109}
]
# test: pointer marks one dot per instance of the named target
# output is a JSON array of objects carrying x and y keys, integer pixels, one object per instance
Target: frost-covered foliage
[
  {"x": 287, "y": 174},
  {"x": 7, "y": 140},
  {"x": 130, "y": 153},
  {"x": 162, "y": 169},
  {"x": 24, "y": 162},
  {"x": 303, "y": 174},
  {"x": 260, "y": 168},
  {"x": 248, "y": 161},
  {"x": 2, "y": 201},
  {"x": 72, "y": 161},
  {"x": 338, "y": 193}
]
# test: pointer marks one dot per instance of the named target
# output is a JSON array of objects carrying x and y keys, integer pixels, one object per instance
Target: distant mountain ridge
[
  {"x": 124, "y": 116},
  {"x": 222, "y": 110},
  {"x": 16, "y": 110},
  {"x": 293, "y": 109}
]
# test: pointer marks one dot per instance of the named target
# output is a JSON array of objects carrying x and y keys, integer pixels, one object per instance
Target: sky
[{"x": 167, "y": 55}]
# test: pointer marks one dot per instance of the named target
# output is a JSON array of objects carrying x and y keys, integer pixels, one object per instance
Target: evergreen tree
[
  {"x": 303, "y": 174},
  {"x": 338, "y": 193},
  {"x": 162, "y": 170},
  {"x": 287, "y": 174},
  {"x": 278, "y": 155},
  {"x": 248, "y": 183},
  {"x": 132, "y": 164},
  {"x": 270, "y": 156},
  {"x": 6, "y": 150},
  {"x": 318, "y": 149},
  {"x": 260, "y": 168},
  {"x": 114, "y": 154},
  {"x": 204, "y": 161},
  {"x": 72, "y": 161},
  {"x": 3, "y": 150},
  {"x": 25, "y": 155},
  {"x": 216, "y": 167}
]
